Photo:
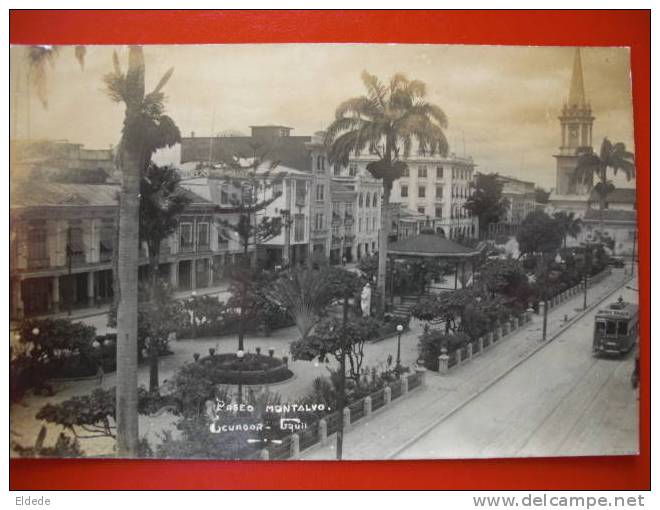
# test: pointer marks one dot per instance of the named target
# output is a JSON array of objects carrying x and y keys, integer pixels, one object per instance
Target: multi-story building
[
  {"x": 62, "y": 161},
  {"x": 63, "y": 237},
  {"x": 342, "y": 207},
  {"x": 436, "y": 187},
  {"x": 521, "y": 197}
]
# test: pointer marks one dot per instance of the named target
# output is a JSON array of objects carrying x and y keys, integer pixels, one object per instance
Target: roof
[
  {"x": 610, "y": 215},
  {"x": 290, "y": 151},
  {"x": 43, "y": 193},
  {"x": 576, "y": 95},
  {"x": 56, "y": 194},
  {"x": 619, "y": 195},
  {"x": 431, "y": 245}
]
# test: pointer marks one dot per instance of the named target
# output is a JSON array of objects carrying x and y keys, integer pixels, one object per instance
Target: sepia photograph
[{"x": 322, "y": 252}]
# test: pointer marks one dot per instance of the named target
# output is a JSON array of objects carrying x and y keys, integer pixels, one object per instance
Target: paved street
[
  {"x": 562, "y": 401},
  {"x": 559, "y": 401}
]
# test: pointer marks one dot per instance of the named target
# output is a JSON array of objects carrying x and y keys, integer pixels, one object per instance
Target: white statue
[{"x": 365, "y": 300}]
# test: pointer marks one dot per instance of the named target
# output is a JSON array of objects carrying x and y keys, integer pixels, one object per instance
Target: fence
[
  {"x": 319, "y": 431},
  {"x": 462, "y": 355}
]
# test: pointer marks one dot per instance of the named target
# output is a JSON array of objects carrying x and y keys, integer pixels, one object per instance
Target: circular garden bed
[{"x": 253, "y": 368}]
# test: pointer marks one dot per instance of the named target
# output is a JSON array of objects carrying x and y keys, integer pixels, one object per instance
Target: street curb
[{"x": 458, "y": 407}]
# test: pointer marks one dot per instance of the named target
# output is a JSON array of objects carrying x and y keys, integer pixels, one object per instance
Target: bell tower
[{"x": 576, "y": 121}]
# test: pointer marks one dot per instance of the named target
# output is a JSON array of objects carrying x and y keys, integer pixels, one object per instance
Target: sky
[{"x": 502, "y": 101}]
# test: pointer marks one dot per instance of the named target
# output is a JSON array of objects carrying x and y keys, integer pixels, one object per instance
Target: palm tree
[
  {"x": 386, "y": 121},
  {"x": 146, "y": 129},
  {"x": 569, "y": 224},
  {"x": 590, "y": 165}
]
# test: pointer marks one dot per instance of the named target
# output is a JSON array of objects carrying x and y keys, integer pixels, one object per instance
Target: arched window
[
  {"x": 367, "y": 200},
  {"x": 320, "y": 163},
  {"x": 375, "y": 200},
  {"x": 360, "y": 200}
]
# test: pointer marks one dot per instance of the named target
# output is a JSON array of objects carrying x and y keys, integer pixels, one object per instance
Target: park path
[{"x": 386, "y": 433}]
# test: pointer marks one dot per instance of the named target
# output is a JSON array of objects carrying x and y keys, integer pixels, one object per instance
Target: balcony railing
[{"x": 38, "y": 263}]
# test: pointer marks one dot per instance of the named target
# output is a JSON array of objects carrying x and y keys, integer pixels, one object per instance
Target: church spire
[{"x": 576, "y": 96}]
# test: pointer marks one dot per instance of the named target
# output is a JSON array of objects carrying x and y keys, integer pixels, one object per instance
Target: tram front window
[
  {"x": 611, "y": 328},
  {"x": 623, "y": 328},
  {"x": 600, "y": 327}
]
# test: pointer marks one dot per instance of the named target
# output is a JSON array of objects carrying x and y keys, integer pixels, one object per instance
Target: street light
[
  {"x": 399, "y": 330},
  {"x": 35, "y": 331},
  {"x": 240, "y": 354}
]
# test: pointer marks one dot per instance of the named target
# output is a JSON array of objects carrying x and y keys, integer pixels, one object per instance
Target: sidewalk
[
  {"x": 78, "y": 314},
  {"x": 386, "y": 433}
]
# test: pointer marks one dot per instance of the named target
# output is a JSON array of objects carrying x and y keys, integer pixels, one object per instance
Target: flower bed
[{"x": 251, "y": 369}]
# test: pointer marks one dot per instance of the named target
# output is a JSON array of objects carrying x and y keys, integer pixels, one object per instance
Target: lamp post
[
  {"x": 399, "y": 330},
  {"x": 240, "y": 354}
]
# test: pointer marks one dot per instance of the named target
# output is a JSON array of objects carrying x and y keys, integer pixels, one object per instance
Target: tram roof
[{"x": 619, "y": 310}]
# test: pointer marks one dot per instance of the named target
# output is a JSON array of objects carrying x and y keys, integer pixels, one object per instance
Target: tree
[
  {"x": 385, "y": 122},
  {"x": 590, "y": 165},
  {"x": 252, "y": 182},
  {"x": 305, "y": 293},
  {"x": 539, "y": 234},
  {"x": 162, "y": 200},
  {"x": 486, "y": 201},
  {"x": 145, "y": 130},
  {"x": 541, "y": 196},
  {"x": 569, "y": 224}
]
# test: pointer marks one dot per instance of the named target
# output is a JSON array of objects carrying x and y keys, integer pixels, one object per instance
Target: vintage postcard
[{"x": 316, "y": 252}]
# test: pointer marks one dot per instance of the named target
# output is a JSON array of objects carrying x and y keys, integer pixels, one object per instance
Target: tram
[{"x": 616, "y": 328}]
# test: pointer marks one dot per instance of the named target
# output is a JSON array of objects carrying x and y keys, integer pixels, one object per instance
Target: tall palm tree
[
  {"x": 145, "y": 130},
  {"x": 590, "y": 165},
  {"x": 569, "y": 224},
  {"x": 386, "y": 121}
]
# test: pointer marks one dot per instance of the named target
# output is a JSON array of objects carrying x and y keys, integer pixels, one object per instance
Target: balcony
[
  {"x": 38, "y": 263},
  {"x": 336, "y": 219}
]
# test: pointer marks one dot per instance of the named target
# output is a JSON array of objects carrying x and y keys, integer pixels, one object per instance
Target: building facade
[
  {"x": 437, "y": 188},
  {"x": 63, "y": 237},
  {"x": 521, "y": 197}
]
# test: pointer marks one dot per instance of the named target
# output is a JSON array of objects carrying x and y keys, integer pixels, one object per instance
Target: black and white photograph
[{"x": 322, "y": 252}]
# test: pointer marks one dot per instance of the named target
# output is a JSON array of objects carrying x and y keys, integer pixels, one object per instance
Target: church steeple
[
  {"x": 576, "y": 96},
  {"x": 576, "y": 123}
]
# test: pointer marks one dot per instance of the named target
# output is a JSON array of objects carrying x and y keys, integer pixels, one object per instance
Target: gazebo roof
[{"x": 430, "y": 244}]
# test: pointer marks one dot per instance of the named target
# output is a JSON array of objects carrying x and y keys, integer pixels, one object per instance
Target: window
[
  {"x": 404, "y": 191},
  {"x": 337, "y": 169},
  {"x": 421, "y": 210},
  {"x": 421, "y": 191},
  {"x": 224, "y": 194},
  {"x": 320, "y": 164},
  {"x": 611, "y": 328},
  {"x": 301, "y": 192},
  {"x": 440, "y": 172},
  {"x": 298, "y": 227},
  {"x": 76, "y": 243},
  {"x": 348, "y": 209},
  {"x": 320, "y": 191},
  {"x": 453, "y": 173},
  {"x": 373, "y": 223},
  {"x": 600, "y": 327},
  {"x": 361, "y": 200},
  {"x": 359, "y": 224},
  {"x": 319, "y": 221},
  {"x": 37, "y": 247},
  {"x": 352, "y": 169},
  {"x": 438, "y": 212},
  {"x": 406, "y": 172},
  {"x": 439, "y": 191},
  {"x": 186, "y": 236},
  {"x": 421, "y": 172},
  {"x": 623, "y": 328},
  {"x": 367, "y": 202},
  {"x": 375, "y": 201},
  {"x": 203, "y": 238},
  {"x": 106, "y": 243}
]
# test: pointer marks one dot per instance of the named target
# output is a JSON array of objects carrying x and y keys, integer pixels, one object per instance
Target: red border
[{"x": 474, "y": 27}]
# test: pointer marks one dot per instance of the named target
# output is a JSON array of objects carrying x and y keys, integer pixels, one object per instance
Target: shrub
[{"x": 432, "y": 341}]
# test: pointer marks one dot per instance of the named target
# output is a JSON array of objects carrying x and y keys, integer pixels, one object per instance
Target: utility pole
[
  {"x": 70, "y": 275},
  {"x": 632, "y": 262},
  {"x": 342, "y": 383}
]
